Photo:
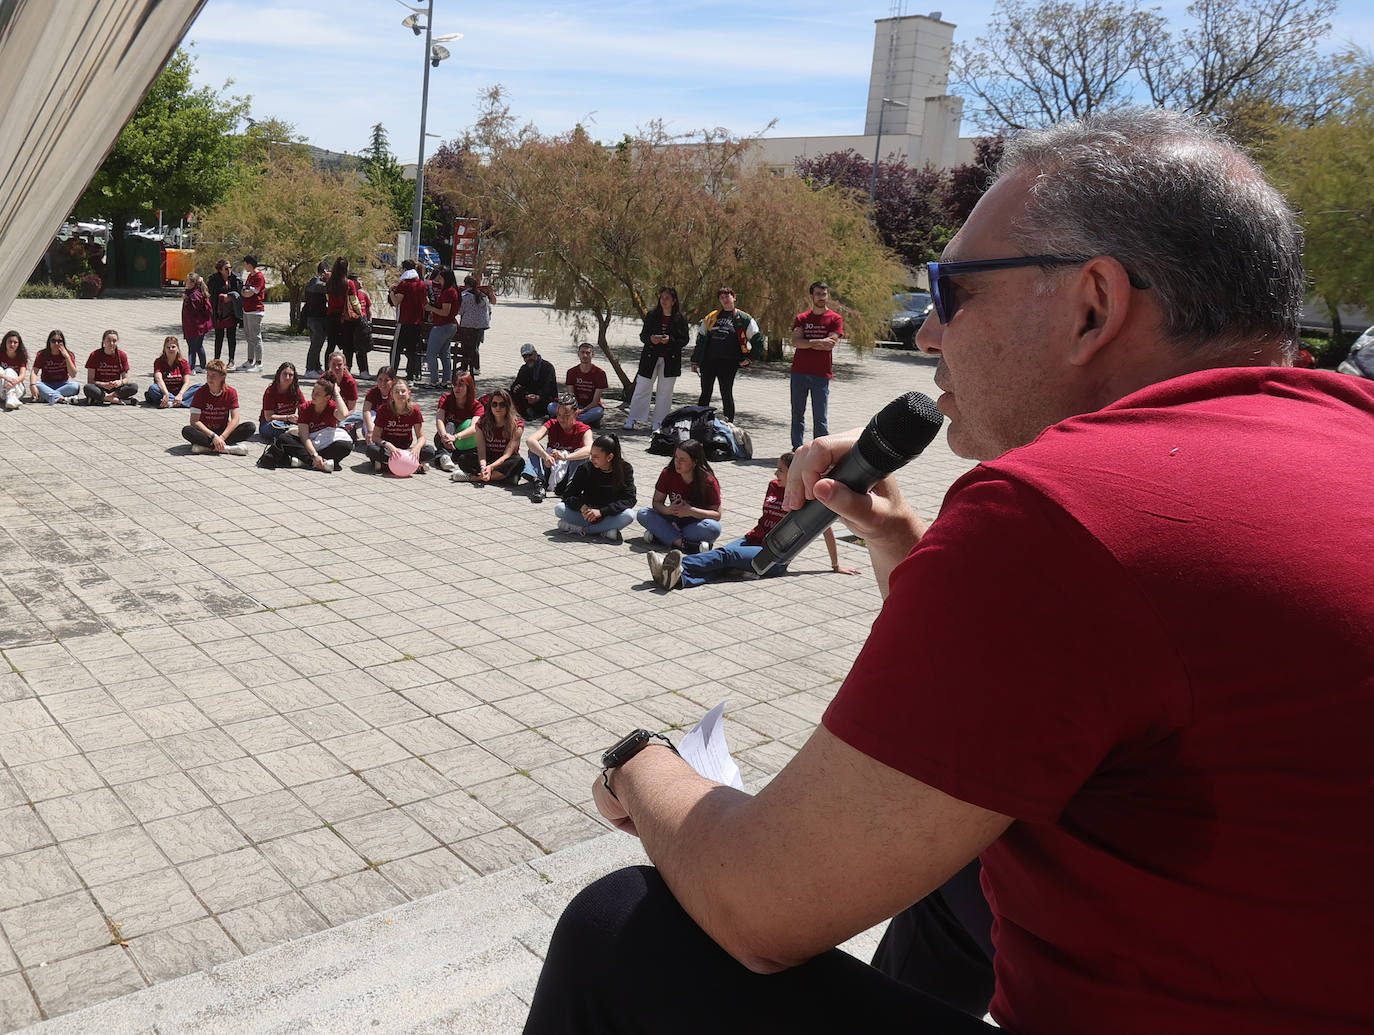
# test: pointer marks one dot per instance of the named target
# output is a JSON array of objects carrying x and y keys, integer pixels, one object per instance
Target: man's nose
[{"x": 928, "y": 335}]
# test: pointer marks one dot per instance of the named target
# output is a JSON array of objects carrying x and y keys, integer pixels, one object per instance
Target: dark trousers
[
  {"x": 338, "y": 335},
  {"x": 95, "y": 396},
  {"x": 724, "y": 374},
  {"x": 246, "y": 430},
  {"x": 358, "y": 346},
  {"x": 625, "y": 957},
  {"x": 377, "y": 453},
  {"x": 410, "y": 343},
  {"x": 220, "y": 333},
  {"x": 466, "y": 348},
  {"x": 335, "y": 452}
]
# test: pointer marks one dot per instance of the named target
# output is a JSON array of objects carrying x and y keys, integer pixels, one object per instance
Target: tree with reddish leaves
[
  {"x": 965, "y": 184},
  {"x": 908, "y": 208}
]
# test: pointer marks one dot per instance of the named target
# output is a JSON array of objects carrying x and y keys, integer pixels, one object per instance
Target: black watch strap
[{"x": 625, "y": 750}]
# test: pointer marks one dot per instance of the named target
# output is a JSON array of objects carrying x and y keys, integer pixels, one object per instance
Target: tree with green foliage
[
  {"x": 177, "y": 152},
  {"x": 388, "y": 181}
]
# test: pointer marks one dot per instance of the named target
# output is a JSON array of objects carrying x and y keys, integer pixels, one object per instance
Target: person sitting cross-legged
[
  {"x": 675, "y": 569},
  {"x": 557, "y": 449},
  {"x": 686, "y": 509},
  {"x": 107, "y": 375},
  {"x": 398, "y": 427},
  {"x": 215, "y": 426},
  {"x": 455, "y": 425},
  {"x": 498, "y": 444},
  {"x": 319, "y": 442},
  {"x": 600, "y": 494}
]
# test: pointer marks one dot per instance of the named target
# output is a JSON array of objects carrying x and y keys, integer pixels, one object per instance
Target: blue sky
[{"x": 335, "y": 67}]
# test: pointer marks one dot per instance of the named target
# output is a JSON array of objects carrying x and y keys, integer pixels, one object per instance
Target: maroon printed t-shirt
[
  {"x": 275, "y": 401},
  {"x": 772, "y": 514},
  {"x": 256, "y": 281},
  {"x": 815, "y": 327},
  {"x": 569, "y": 440},
  {"x": 51, "y": 367},
  {"x": 107, "y": 367},
  {"x": 398, "y": 429},
  {"x": 173, "y": 376},
  {"x": 584, "y": 385},
  {"x": 1126, "y": 636},
  {"x": 374, "y": 398},
  {"x": 414, "y": 298},
  {"x": 455, "y": 414},
  {"x": 447, "y": 297},
  {"x": 675, "y": 490},
  {"x": 17, "y": 360},
  {"x": 315, "y": 420},
  {"x": 348, "y": 388},
  {"x": 215, "y": 409},
  {"x": 496, "y": 439}
]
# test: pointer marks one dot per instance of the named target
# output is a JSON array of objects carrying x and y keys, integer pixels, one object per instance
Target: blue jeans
[
  {"x": 591, "y": 417},
  {"x": 818, "y": 387},
  {"x": 574, "y": 517},
  {"x": 437, "y": 351},
  {"x": 668, "y": 529},
  {"x": 699, "y": 568},
  {"x": 50, "y": 393},
  {"x": 536, "y": 468},
  {"x": 154, "y": 395},
  {"x": 271, "y": 430},
  {"x": 195, "y": 350}
]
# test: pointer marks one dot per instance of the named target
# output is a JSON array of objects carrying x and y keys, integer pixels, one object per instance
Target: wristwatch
[{"x": 625, "y": 750}]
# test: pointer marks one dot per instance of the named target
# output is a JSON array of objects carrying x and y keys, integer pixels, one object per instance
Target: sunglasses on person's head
[{"x": 945, "y": 294}]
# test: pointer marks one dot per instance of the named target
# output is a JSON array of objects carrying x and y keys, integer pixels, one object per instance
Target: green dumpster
[{"x": 142, "y": 262}]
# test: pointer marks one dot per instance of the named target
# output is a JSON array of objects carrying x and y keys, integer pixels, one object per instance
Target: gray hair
[{"x": 1179, "y": 205}]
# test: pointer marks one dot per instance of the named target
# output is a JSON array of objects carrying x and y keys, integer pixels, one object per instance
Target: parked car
[
  {"x": 1360, "y": 360},
  {"x": 913, "y": 308}
]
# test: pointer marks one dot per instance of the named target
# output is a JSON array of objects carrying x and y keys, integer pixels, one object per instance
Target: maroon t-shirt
[
  {"x": 106, "y": 366},
  {"x": 215, "y": 409},
  {"x": 560, "y": 439},
  {"x": 584, "y": 385},
  {"x": 275, "y": 401},
  {"x": 51, "y": 367},
  {"x": 675, "y": 490},
  {"x": 814, "y": 327},
  {"x": 254, "y": 303},
  {"x": 398, "y": 429},
  {"x": 1127, "y": 637},
  {"x": 449, "y": 297},
  {"x": 373, "y": 400},
  {"x": 348, "y": 388},
  {"x": 172, "y": 376},
  {"x": 772, "y": 514},
  {"x": 497, "y": 440},
  {"x": 315, "y": 420},
  {"x": 455, "y": 414},
  {"x": 414, "y": 298},
  {"x": 17, "y": 360}
]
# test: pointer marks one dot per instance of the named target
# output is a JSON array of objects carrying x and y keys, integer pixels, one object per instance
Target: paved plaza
[{"x": 239, "y": 706}]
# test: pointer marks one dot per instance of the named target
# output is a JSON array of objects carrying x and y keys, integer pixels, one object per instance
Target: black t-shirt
[{"x": 723, "y": 342}]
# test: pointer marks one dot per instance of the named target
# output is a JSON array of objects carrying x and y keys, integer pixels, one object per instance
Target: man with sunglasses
[{"x": 1120, "y": 667}]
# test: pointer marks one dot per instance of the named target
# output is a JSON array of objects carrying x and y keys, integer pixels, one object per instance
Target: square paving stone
[
  {"x": 563, "y": 829},
  {"x": 105, "y": 731},
  {"x": 341, "y": 797},
  {"x": 234, "y": 706},
  {"x": 195, "y": 835},
  {"x": 57, "y": 777},
  {"x": 454, "y": 817},
  {"x": 113, "y": 856},
  {"x": 469, "y": 765},
  {"x": 204, "y": 747},
  {"x": 17, "y": 1006},
  {"x": 182, "y": 950},
  {"x": 358, "y": 894},
  {"x": 365, "y": 750},
  {"x": 266, "y": 816},
  {"x": 28, "y": 714},
  {"x": 33, "y": 876},
  {"x": 161, "y": 796},
  {"x": 150, "y": 902},
  {"x": 235, "y": 779},
  {"x": 240, "y": 878},
  {"x": 426, "y": 735},
  {"x": 408, "y": 780},
  {"x": 55, "y": 928},
  {"x": 304, "y": 763},
  {"x": 264, "y": 924},
  {"x": 168, "y": 719},
  {"x": 91, "y": 978},
  {"x": 428, "y": 872},
  {"x": 517, "y": 798},
  {"x": 269, "y": 733},
  {"x": 388, "y": 835},
  {"x": 12, "y": 794},
  {"x": 497, "y": 850},
  {"x": 35, "y": 746},
  {"x": 326, "y": 721},
  {"x": 21, "y": 829},
  {"x": 312, "y": 856},
  {"x": 87, "y": 812},
  {"x": 131, "y": 762}
]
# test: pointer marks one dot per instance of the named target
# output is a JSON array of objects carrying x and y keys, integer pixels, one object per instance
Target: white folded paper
[{"x": 705, "y": 750}]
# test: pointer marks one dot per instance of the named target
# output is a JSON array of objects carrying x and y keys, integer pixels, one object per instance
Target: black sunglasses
[{"x": 945, "y": 294}]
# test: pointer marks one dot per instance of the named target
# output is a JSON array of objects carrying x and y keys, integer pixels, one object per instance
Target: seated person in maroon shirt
[
  {"x": 215, "y": 426},
  {"x": 399, "y": 425},
  {"x": 455, "y": 424},
  {"x": 585, "y": 382},
  {"x": 171, "y": 372},
  {"x": 675, "y": 569},
  {"x": 107, "y": 375},
  {"x": 498, "y": 443},
  {"x": 557, "y": 449},
  {"x": 361, "y": 420},
  {"x": 281, "y": 400},
  {"x": 319, "y": 442}
]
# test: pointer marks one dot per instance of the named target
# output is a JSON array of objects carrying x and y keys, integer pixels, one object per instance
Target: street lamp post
[
  {"x": 433, "y": 55},
  {"x": 877, "y": 146}
]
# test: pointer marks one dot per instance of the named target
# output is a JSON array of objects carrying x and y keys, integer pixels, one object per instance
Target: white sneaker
[
  {"x": 671, "y": 574},
  {"x": 460, "y": 476},
  {"x": 11, "y": 404},
  {"x": 198, "y": 369},
  {"x": 200, "y": 450},
  {"x": 655, "y": 565},
  {"x": 243, "y": 368},
  {"x": 237, "y": 449},
  {"x": 648, "y": 537},
  {"x": 446, "y": 462}
]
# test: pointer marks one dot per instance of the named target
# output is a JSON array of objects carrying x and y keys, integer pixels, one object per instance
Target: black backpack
[{"x": 681, "y": 424}]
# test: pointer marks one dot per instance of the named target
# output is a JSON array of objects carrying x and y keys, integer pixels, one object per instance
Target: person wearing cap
[
  {"x": 585, "y": 383},
  {"x": 535, "y": 385},
  {"x": 410, "y": 296},
  {"x": 253, "y": 295}
]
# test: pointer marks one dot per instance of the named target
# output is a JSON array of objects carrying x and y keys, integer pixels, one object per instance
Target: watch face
[{"x": 626, "y": 749}]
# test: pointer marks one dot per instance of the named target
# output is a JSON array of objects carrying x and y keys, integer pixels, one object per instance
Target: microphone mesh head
[{"x": 900, "y": 431}]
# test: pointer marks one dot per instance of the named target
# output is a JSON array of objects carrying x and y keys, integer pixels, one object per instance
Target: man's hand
[
  {"x": 218, "y": 443},
  {"x": 591, "y": 515},
  {"x": 609, "y": 807}
]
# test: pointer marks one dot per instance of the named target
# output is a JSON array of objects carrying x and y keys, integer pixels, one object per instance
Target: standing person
[
  {"x": 815, "y": 333},
  {"x": 445, "y": 317},
  {"x": 197, "y": 320},
  {"x": 254, "y": 309},
  {"x": 107, "y": 374},
  {"x": 410, "y": 296},
  {"x": 664, "y": 335},
  {"x": 281, "y": 401},
  {"x": 318, "y": 442},
  {"x": 686, "y": 509},
  {"x": 399, "y": 426},
  {"x": 585, "y": 382},
  {"x": 535, "y": 384},
  {"x": 315, "y": 312},
  {"x": 14, "y": 368},
  {"x": 362, "y": 329},
  {"x": 171, "y": 372},
  {"x": 455, "y": 430},
  {"x": 475, "y": 320},
  {"x": 214, "y": 425},
  {"x": 675, "y": 569},
  {"x": 723, "y": 345},
  {"x": 225, "y": 291},
  {"x": 569, "y": 444},
  {"x": 498, "y": 443},
  {"x": 378, "y": 394},
  {"x": 600, "y": 494},
  {"x": 53, "y": 376},
  {"x": 342, "y": 310}
]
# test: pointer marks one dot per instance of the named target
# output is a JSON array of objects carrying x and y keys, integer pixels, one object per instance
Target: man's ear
[{"x": 1102, "y": 293}]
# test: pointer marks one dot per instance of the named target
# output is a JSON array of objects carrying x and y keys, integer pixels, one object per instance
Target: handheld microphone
[{"x": 897, "y": 434}]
